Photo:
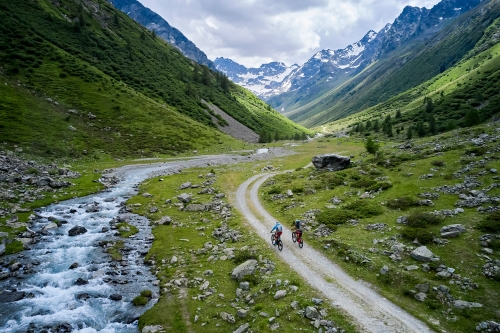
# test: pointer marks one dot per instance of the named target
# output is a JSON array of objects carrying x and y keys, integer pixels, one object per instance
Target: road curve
[{"x": 368, "y": 310}]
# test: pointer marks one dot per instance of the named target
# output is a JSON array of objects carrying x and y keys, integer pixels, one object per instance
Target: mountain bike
[
  {"x": 277, "y": 241},
  {"x": 297, "y": 237}
]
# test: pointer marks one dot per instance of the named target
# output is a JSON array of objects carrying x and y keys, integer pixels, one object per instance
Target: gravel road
[{"x": 368, "y": 310}]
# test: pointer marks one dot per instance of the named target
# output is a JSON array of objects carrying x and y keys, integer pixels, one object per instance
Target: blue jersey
[{"x": 277, "y": 227}]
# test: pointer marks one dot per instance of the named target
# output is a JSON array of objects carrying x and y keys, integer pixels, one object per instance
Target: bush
[
  {"x": 147, "y": 293},
  {"x": 332, "y": 179},
  {"x": 363, "y": 182},
  {"x": 140, "y": 300},
  {"x": 274, "y": 190},
  {"x": 364, "y": 208},
  {"x": 438, "y": 163},
  {"x": 494, "y": 244},
  {"x": 32, "y": 171},
  {"x": 422, "y": 220},
  {"x": 242, "y": 256},
  {"x": 298, "y": 189},
  {"x": 402, "y": 203},
  {"x": 335, "y": 216},
  {"x": 491, "y": 223},
  {"x": 423, "y": 236},
  {"x": 53, "y": 172},
  {"x": 477, "y": 151},
  {"x": 379, "y": 186}
]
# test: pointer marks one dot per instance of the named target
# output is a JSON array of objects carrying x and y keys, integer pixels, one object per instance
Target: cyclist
[
  {"x": 279, "y": 231},
  {"x": 298, "y": 230}
]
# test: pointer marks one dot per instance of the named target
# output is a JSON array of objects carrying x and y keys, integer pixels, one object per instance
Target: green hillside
[
  {"x": 407, "y": 68},
  {"x": 462, "y": 96},
  {"x": 82, "y": 76}
]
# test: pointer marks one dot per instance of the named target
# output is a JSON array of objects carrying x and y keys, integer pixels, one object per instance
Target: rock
[
  {"x": 115, "y": 297},
  {"x": 184, "y": 198},
  {"x": 15, "y": 267},
  {"x": 242, "y": 313},
  {"x": 422, "y": 253},
  {"x": 420, "y": 297},
  {"x": 208, "y": 272},
  {"x": 147, "y": 195},
  {"x": 77, "y": 230},
  {"x": 152, "y": 329},
  {"x": 423, "y": 288},
  {"x": 185, "y": 185},
  {"x": 289, "y": 193},
  {"x": 164, "y": 220},
  {"x": 242, "y": 329},
  {"x": 317, "y": 301},
  {"x": 173, "y": 260},
  {"x": 453, "y": 230},
  {"x": 274, "y": 327},
  {"x": 227, "y": 317},
  {"x": 295, "y": 305},
  {"x": 81, "y": 282},
  {"x": 244, "y": 285},
  {"x": 205, "y": 285},
  {"x": 411, "y": 267},
  {"x": 14, "y": 296},
  {"x": 153, "y": 209},
  {"x": 311, "y": 313},
  {"x": 443, "y": 274},
  {"x": 2, "y": 249},
  {"x": 280, "y": 294},
  {"x": 384, "y": 270},
  {"x": 244, "y": 269},
  {"x": 331, "y": 162},
  {"x": 459, "y": 304},
  {"x": 74, "y": 265}
]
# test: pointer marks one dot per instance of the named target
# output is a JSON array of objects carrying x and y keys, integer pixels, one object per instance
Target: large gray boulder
[
  {"x": 311, "y": 313},
  {"x": 242, "y": 329},
  {"x": 331, "y": 162},
  {"x": 184, "y": 198},
  {"x": 452, "y": 230},
  {"x": 422, "y": 253},
  {"x": 77, "y": 230},
  {"x": 244, "y": 269}
]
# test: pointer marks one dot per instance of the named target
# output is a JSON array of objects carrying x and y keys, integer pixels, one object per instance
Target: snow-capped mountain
[
  {"x": 329, "y": 68},
  {"x": 262, "y": 81}
]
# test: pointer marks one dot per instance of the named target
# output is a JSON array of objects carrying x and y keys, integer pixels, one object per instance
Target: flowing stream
[{"x": 51, "y": 301}]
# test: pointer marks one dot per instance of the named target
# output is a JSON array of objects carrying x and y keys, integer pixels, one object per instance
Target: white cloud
[{"x": 253, "y": 32}]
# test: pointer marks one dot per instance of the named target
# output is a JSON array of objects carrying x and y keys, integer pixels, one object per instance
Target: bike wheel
[
  {"x": 272, "y": 239},
  {"x": 280, "y": 245},
  {"x": 294, "y": 237},
  {"x": 301, "y": 243}
]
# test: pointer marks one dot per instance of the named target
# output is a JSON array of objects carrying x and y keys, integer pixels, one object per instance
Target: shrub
[
  {"x": 140, "y": 300},
  {"x": 379, "y": 186},
  {"x": 242, "y": 256},
  {"x": 53, "y": 172},
  {"x": 478, "y": 151},
  {"x": 422, "y": 220},
  {"x": 363, "y": 182},
  {"x": 494, "y": 244},
  {"x": 371, "y": 146},
  {"x": 32, "y": 171},
  {"x": 491, "y": 223},
  {"x": 423, "y": 236},
  {"x": 335, "y": 216},
  {"x": 274, "y": 190},
  {"x": 332, "y": 179},
  {"x": 146, "y": 293},
  {"x": 402, "y": 203},
  {"x": 298, "y": 189},
  {"x": 438, "y": 163},
  {"x": 364, "y": 208}
]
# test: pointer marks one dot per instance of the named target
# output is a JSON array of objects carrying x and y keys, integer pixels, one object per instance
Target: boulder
[
  {"x": 453, "y": 230},
  {"x": 242, "y": 329},
  {"x": 423, "y": 287},
  {"x": 422, "y": 253},
  {"x": 81, "y": 282},
  {"x": 152, "y": 329},
  {"x": 184, "y": 198},
  {"x": 8, "y": 297},
  {"x": 185, "y": 185},
  {"x": 164, "y": 220},
  {"x": 384, "y": 270},
  {"x": 311, "y": 313},
  {"x": 227, "y": 317},
  {"x": 420, "y": 297},
  {"x": 74, "y": 265},
  {"x": 244, "y": 269},
  {"x": 331, "y": 162},
  {"x": 242, "y": 313},
  {"x": 280, "y": 294},
  {"x": 459, "y": 304},
  {"x": 115, "y": 297},
  {"x": 77, "y": 230},
  {"x": 2, "y": 249}
]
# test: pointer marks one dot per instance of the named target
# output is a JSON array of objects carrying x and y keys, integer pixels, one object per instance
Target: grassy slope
[
  {"x": 454, "y": 93},
  {"x": 402, "y": 71},
  {"x": 144, "y": 93},
  {"x": 461, "y": 253},
  {"x": 178, "y": 307}
]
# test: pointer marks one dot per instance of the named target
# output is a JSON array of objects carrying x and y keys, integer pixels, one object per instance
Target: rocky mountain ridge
[
  {"x": 171, "y": 35},
  {"x": 330, "y": 68}
]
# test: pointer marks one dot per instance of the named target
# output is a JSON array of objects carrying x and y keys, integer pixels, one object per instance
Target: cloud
[{"x": 253, "y": 32}]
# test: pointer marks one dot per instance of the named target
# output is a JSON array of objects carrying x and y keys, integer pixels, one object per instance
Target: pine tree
[
  {"x": 432, "y": 125},
  {"x": 429, "y": 106},
  {"x": 376, "y": 125},
  {"x": 368, "y": 125},
  {"x": 371, "y": 146},
  {"x": 398, "y": 114},
  {"x": 421, "y": 131},
  {"x": 409, "y": 133}
]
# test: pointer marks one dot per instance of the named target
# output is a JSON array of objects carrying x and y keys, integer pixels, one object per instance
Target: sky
[{"x": 255, "y": 32}]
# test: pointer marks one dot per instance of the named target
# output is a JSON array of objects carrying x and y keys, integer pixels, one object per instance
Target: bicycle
[
  {"x": 297, "y": 237},
  {"x": 278, "y": 241}
]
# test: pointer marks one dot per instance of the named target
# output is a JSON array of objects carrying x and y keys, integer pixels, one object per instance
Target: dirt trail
[{"x": 369, "y": 311}]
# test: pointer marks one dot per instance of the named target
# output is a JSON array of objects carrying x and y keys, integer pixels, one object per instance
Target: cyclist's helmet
[{"x": 277, "y": 222}]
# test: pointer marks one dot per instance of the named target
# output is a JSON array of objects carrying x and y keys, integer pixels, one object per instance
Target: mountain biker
[
  {"x": 279, "y": 231},
  {"x": 298, "y": 230}
]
